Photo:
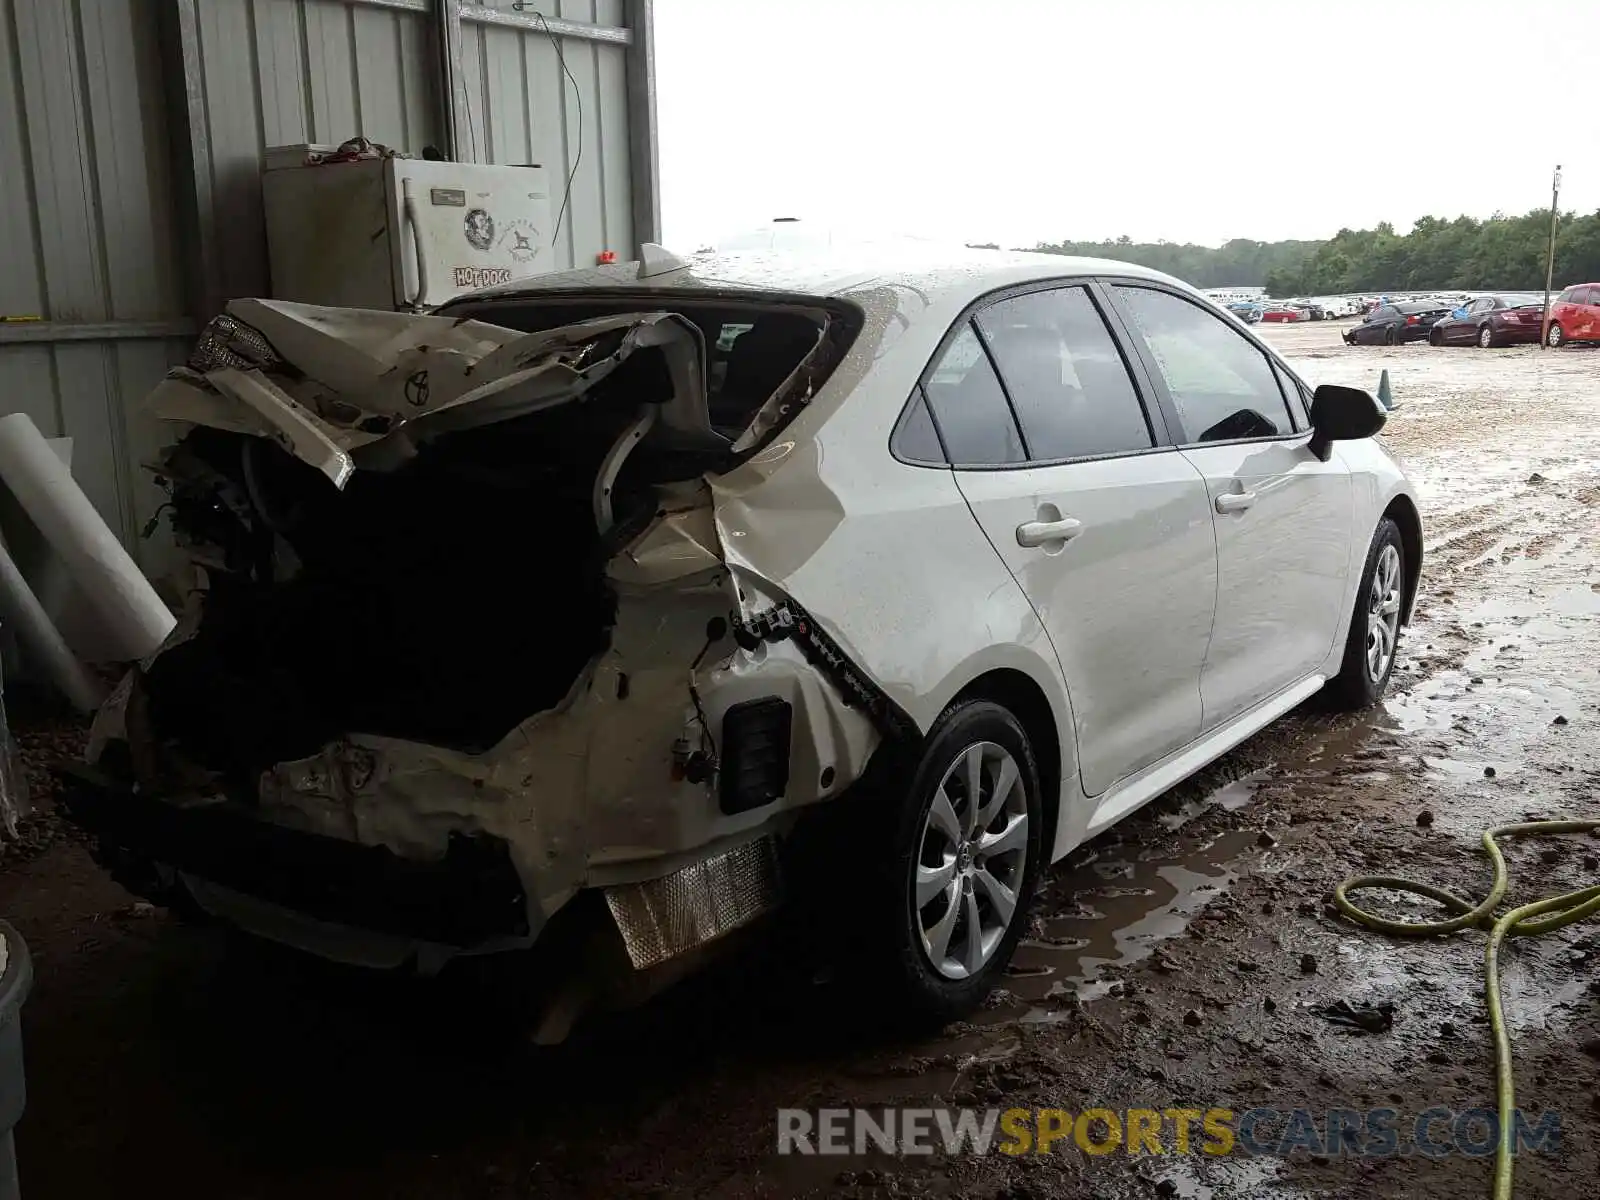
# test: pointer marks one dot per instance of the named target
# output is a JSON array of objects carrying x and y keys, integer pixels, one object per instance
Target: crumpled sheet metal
[
  {"x": 662, "y": 918},
  {"x": 369, "y": 387}
]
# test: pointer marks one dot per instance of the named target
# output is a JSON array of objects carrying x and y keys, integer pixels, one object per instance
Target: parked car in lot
[
  {"x": 1575, "y": 315},
  {"x": 512, "y": 629},
  {"x": 1338, "y": 307},
  {"x": 1490, "y": 321},
  {"x": 1246, "y": 311},
  {"x": 1281, "y": 311},
  {"x": 1395, "y": 324}
]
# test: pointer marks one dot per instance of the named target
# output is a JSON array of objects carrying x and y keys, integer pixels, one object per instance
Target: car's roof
[{"x": 934, "y": 271}]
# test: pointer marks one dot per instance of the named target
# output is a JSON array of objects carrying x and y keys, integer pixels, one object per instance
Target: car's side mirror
[{"x": 1342, "y": 414}]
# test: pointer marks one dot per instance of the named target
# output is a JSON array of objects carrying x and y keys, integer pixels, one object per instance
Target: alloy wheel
[
  {"x": 1555, "y": 336},
  {"x": 1486, "y": 337},
  {"x": 1383, "y": 614},
  {"x": 972, "y": 860}
]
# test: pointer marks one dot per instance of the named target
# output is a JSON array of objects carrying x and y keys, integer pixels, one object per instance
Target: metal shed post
[
  {"x": 643, "y": 157},
  {"x": 452, "y": 96}
]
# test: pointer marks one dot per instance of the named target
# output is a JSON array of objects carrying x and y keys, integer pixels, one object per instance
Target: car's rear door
[
  {"x": 1104, "y": 526},
  {"x": 1377, "y": 328},
  {"x": 1479, "y": 313},
  {"x": 1282, "y": 516}
]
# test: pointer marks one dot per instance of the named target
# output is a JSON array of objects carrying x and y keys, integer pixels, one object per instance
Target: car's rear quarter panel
[{"x": 885, "y": 555}]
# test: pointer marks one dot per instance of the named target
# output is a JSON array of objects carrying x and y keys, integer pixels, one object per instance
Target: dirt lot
[{"x": 1174, "y": 962}]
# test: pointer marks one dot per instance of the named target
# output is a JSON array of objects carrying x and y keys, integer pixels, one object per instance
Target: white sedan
[{"x": 635, "y": 599}]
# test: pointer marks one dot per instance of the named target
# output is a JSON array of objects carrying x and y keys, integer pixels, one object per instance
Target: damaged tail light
[{"x": 227, "y": 342}]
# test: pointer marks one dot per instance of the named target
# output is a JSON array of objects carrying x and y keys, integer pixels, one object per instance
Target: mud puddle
[{"x": 1112, "y": 906}]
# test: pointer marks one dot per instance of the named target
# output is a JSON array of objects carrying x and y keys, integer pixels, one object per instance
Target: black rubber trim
[
  {"x": 787, "y": 620},
  {"x": 469, "y": 896}
]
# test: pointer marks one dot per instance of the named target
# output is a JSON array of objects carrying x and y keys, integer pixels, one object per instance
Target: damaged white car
[{"x": 625, "y": 599}]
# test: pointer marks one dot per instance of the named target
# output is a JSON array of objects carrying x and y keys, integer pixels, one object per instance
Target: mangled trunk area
[{"x": 403, "y": 526}]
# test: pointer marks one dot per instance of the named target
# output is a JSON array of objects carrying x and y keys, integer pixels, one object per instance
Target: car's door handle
[
  {"x": 1042, "y": 533},
  {"x": 1234, "y": 502}
]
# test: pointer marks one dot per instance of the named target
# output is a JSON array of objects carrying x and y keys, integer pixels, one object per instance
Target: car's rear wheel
[
  {"x": 1486, "y": 337},
  {"x": 1372, "y": 646},
  {"x": 1555, "y": 337},
  {"x": 963, "y": 858}
]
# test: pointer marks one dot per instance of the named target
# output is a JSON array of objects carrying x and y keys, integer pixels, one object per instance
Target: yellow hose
[{"x": 1562, "y": 910}]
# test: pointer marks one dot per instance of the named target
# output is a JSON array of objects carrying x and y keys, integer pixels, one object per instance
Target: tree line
[{"x": 1501, "y": 252}]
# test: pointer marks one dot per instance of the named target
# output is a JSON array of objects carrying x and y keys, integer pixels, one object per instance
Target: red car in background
[
  {"x": 1491, "y": 321},
  {"x": 1575, "y": 315},
  {"x": 1282, "y": 312}
]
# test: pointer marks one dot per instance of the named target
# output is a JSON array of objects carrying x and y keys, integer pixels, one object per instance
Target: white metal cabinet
[{"x": 340, "y": 233}]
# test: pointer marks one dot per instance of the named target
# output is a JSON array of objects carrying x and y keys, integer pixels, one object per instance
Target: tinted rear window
[
  {"x": 1066, "y": 378},
  {"x": 972, "y": 412}
]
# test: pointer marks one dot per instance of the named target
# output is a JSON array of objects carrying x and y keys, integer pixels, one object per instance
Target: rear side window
[
  {"x": 1221, "y": 383},
  {"x": 1066, "y": 378},
  {"x": 1587, "y": 295},
  {"x": 915, "y": 439},
  {"x": 974, "y": 418}
]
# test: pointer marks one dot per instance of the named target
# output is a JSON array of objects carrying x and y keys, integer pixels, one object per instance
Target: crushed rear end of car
[{"x": 463, "y": 643}]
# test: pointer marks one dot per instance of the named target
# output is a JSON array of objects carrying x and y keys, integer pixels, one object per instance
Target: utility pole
[{"x": 1550, "y": 260}]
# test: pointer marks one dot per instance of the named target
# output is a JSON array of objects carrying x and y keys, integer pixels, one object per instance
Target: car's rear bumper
[
  {"x": 1518, "y": 335},
  {"x": 471, "y": 896}
]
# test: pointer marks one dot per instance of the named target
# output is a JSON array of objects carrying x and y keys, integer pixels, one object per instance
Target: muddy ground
[{"x": 1176, "y": 961}]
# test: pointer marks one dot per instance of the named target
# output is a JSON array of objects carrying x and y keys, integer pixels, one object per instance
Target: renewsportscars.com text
[{"x": 1369, "y": 1133}]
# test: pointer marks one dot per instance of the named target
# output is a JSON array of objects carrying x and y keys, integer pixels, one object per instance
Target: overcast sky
[{"x": 1017, "y": 121}]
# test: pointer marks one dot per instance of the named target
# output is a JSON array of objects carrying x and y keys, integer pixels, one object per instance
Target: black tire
[
  {"x": 1486, "y": 337},
  {"x": 1555, "y": 337},
  {"x": 911, "y": 984},
  {"x": 1356, "y": 686},
  {"x": 1435, "y": 338},
  {"x": 1390, "y": 337}
]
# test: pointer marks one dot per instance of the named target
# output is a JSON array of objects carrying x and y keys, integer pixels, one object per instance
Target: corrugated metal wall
[
  {"x": 281, "y": 72},
  {"x": 105, "y": 223},
  {"x": 522, "y": 108},
  {"x": 86, "y": 201}
]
